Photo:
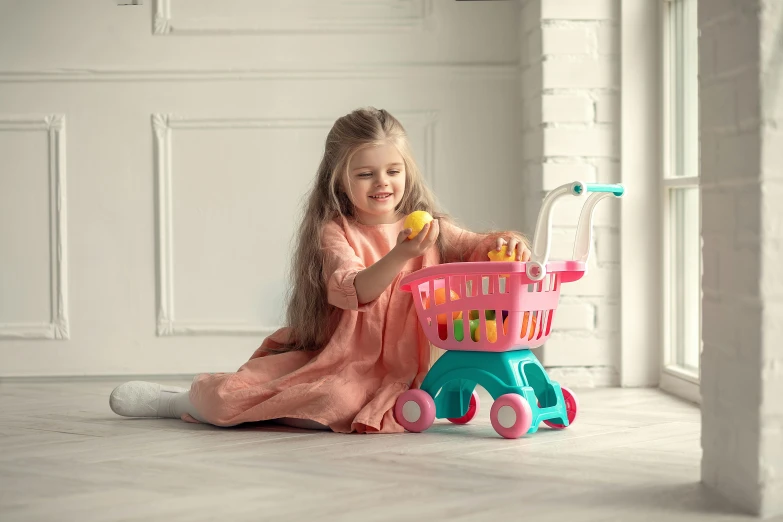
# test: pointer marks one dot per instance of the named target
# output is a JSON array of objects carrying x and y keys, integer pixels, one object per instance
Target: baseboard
[{"x": 680, "y": 387}]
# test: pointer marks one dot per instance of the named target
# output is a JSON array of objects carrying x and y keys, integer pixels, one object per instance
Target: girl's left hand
[{"x": 522, "y": 252}]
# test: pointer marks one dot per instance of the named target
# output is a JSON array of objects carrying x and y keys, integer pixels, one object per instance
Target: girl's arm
[
  {"x": 375, "y": 279},
  {"x": 465, "y": 245}
]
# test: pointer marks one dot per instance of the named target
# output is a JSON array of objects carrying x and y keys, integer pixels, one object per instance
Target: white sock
[
  {"x": 149, "y": 399},
  {"x": 173, "y": 404}
]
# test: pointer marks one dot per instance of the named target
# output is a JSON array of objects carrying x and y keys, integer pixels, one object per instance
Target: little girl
[{"x": 352, "y": 343}]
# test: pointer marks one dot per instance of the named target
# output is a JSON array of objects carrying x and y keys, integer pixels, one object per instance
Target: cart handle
[
  {"x": 616, "y": 189},
  {"x": 536, "y": 267}
]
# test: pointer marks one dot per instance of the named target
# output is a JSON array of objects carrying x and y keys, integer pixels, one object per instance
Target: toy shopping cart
[{"x": 488, "y": 316}]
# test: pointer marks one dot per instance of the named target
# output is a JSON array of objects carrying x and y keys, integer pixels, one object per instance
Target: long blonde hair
[{"x": 309, "y": 315}]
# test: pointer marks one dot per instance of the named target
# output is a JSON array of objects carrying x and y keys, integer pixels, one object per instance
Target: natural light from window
[{"x": 681, "y": 227}]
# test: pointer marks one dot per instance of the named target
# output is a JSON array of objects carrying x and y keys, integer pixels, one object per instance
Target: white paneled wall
[
  {"x": 34, "y": 278},
  {"x": 153, "y": 236}
]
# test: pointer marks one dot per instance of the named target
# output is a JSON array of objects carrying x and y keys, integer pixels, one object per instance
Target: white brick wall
[
  {"x": 556, "y": 174},
  {"x": 741, "y": 95},
  {"x": 579, "y": 142},
  {"x": 596, "y": 74},
  {"x": 575, "y": 315},
  {"x": 568, "y": 39},
  {"x": 568, "y": 108},
  {"x": 570, "y": 88}
]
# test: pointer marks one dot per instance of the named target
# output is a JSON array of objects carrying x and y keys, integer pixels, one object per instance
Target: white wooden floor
[{"x": 64, "y": 456}]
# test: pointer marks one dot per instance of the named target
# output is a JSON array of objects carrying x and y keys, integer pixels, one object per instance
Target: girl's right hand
[{"x": 417, "y": 246}]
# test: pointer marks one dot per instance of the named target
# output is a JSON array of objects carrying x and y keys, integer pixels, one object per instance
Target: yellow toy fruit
[
  {"x": 440, "y": 298},
  {"x": 492, "y": 332},
  {"x": 494, "y": 255},
  {"x": 416, "y": 221}
]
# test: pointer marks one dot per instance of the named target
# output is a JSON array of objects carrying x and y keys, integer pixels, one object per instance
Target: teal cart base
[{"x": 454, "y": 376}]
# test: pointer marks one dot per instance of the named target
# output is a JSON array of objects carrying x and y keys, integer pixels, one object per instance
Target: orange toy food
[
  {"x": 529, "y": 329},
  {"x": 440, "y": 298}
]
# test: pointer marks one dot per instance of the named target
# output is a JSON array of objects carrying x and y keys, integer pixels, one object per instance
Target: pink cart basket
[{"x": 488, "y": 317}]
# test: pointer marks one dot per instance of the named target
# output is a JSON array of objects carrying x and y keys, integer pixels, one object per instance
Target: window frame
[{"x": 674, "y": 378}]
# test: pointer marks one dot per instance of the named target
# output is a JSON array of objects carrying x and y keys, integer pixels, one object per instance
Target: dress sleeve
[
  {"x": 464, "y": 245},
  {"x": 341, "y": 264}
]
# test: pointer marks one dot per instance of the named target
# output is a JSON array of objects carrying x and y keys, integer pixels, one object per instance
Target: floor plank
[{"x": 631, "y": 455}]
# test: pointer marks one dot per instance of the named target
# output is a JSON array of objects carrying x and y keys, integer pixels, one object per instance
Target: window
[{"x": 681, "y": 201}]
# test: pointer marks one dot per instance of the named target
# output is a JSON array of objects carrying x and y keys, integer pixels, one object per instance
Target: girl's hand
[
  {"x": 410, "y": 248},
  {"x": 521, "y": 251}
]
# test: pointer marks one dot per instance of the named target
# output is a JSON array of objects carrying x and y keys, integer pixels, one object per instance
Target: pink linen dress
[{"x": 377, "y": 352}]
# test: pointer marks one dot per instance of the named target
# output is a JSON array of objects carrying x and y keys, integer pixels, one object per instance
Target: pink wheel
[
  {"x": 511, "y": 416},
  {"x": 473, "y": 409},
  {"x": 415, "y": 410},
  {"x": 571, "y": 404}
]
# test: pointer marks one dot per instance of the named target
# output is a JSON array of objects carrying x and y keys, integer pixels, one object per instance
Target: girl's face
[{"x": 376, "y": 183}]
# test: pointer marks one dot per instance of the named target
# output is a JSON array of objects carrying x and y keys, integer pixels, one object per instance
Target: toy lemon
[
  {"x": 416, "y": 221},
  {"x": 494, "y": 255},
  {"x": 501, "y": 255}
]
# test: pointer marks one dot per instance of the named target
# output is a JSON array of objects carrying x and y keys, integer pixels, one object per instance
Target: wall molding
[
  {"x": 57, "y": 327},
  {"x": 163, "y": 125},
  {"x": 163, "y": 23},
  {"x": 507, "y": 71}
]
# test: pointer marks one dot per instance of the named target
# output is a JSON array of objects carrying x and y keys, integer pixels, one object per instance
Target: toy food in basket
[{"x": 520, "y": 296}]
